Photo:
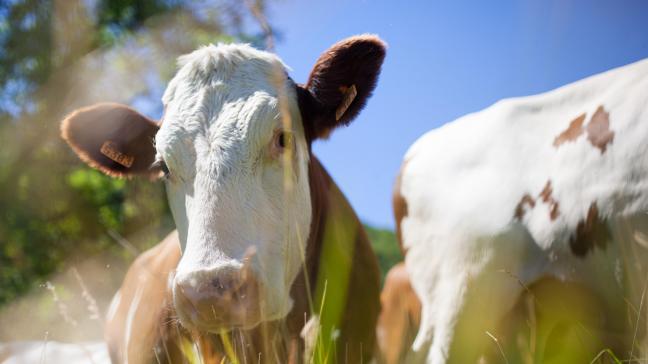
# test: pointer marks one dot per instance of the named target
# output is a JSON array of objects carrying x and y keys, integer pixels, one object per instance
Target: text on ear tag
[
  {"x": 109, "y": 149},
  {"x": 349, "y": 95}
]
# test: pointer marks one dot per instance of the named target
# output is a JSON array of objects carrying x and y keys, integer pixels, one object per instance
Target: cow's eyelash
[{"x": 162, "y": 166}]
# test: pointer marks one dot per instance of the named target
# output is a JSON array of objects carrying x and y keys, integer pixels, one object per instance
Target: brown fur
[
  {"x": 399, "y": 318},
  {"x": 399, "y": 205},
  {"x": 591, "y": 232},
  {"x": 546, "y": 196},
  {"x": 598, "y": 130},
  {"x": 149, "y": 274},
  {"x": 519, "y": 208},
  {"x": 353, "y": 61},
  {"x": 128, "y": 133},
  {"x": 572, "y": 133},
  {"x": 156, "y": 334}
]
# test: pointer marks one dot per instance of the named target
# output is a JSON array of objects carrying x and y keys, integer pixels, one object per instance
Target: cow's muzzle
[{"x": 221, "y": 299}]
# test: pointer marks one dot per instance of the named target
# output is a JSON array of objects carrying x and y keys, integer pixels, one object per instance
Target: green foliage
[
  {"x": 23, "y": 64},
  {"x": 44, "y": 219},
  {"x": 386, "y": 247},
  {"x": 53, "y": 210},
  {"x": 116, "y": 17}
]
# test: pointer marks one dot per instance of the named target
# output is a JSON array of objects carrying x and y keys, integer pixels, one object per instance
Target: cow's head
[{"x": 233, "y": 148}]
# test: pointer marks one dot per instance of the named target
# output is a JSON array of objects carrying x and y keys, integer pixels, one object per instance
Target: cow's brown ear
[
  {"x": 112, "y": 138},
  {"x": 340, "y": 83}
]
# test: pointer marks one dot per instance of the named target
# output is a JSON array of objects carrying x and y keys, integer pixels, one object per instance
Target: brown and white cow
[
  {"x": 552, "y": 186},
  {"x": 264, "y": 236},
  {"x": 399, "y": 319}
]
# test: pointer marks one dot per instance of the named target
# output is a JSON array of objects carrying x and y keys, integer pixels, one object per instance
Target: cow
[
  {"x": 269, "y": 262},
  {"x": 399, "y": 319},
  {"x": 552, "y": 186}
]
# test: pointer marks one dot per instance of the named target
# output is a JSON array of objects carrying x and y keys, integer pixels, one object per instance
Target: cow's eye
[
  {"x": 282, "y": 140},
  {"x": 165, "y": 169},
  {"x": 162, "y": 166}
]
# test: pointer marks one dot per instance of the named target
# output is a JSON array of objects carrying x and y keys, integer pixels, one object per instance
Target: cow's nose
[{"x": 224, "y": 298}]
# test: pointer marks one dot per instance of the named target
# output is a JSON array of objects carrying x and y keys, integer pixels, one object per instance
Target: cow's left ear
[
  {"x": 340, "y": 83},
  {"x": 112, "y": 138}
]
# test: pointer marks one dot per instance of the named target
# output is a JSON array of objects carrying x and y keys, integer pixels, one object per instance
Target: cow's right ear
[
  {"x": 112, "y": 138},
  {"x": 340, "y": 84}
]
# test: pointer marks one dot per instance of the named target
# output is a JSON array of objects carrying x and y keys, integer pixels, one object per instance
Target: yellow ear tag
[
  {"x": 349, "y": 95},
  {"x": 109, "y": 149}
]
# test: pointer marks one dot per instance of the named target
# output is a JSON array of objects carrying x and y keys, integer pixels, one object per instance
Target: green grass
[{"x": 386, "y": 248}]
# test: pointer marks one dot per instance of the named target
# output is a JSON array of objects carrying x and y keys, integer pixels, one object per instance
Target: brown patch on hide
[
  {"x": 519, "y": 209},
  {"x": 399, "y": 205},
  {"x": 572, "y": 133},
  {"x": 592, "y": 232},
  {"x": 358, "y": 321},
  {"x": 147, "y": 278},
  {"x": 598, "y": 130},
  {"x": 546, "y": 196}
]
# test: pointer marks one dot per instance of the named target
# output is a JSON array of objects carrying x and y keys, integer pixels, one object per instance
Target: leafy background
[{"x": 67, "y": 232}]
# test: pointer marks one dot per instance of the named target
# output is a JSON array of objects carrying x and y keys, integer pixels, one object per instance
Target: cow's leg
[
  {"x": 465, "y": 293},
  {"x": 467, "y": 320},
  {"x": 399, "y": 318}
]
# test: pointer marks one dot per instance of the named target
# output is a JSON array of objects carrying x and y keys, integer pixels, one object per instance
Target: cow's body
[
  {"x": 400, "y": 317},
  {"x": 553, "y": 185},
  {"x": 141, "y": 325}
]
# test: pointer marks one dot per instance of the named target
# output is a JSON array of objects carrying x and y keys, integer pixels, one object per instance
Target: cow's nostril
[
  {"x": 222, "y": 285},
  {"x": 240, "y": 290},
  {"x": 217, "y": 283},
  {"x": 231, "y": 287}
]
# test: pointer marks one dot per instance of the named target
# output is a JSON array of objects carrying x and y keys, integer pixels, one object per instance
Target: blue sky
[{"x": 446, "y": 59}]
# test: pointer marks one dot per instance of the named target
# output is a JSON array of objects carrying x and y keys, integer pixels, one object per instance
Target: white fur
[
  {"x": 130, "y": 317},
  {"x": 114, "y": 305},
  {"x": 228, "y": 193},
  {"x": 462, "y": 183}
]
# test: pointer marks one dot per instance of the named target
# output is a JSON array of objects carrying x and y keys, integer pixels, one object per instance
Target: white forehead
[
  {"x": 222, "y": 90},
  {"x": 234, "y": 68}
]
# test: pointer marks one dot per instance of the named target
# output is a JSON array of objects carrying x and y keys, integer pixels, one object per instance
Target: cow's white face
[
  {"x": 236, "y": 154},
  {"x": 234, "y": 143}
]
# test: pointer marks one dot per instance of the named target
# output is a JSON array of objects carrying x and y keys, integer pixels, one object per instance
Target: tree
[{"x": 56, "y": 55}]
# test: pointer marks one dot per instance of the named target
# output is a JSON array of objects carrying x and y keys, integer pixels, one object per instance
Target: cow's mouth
[{"x": 225, "y": 315}]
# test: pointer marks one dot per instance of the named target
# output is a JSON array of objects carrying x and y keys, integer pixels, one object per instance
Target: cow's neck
[
  {"x": 342, "y": 272},
  {"x": 320, "y": 184}
]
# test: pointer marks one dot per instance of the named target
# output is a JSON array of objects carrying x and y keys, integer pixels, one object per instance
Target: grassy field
[{"x": 64, "y": 307}]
